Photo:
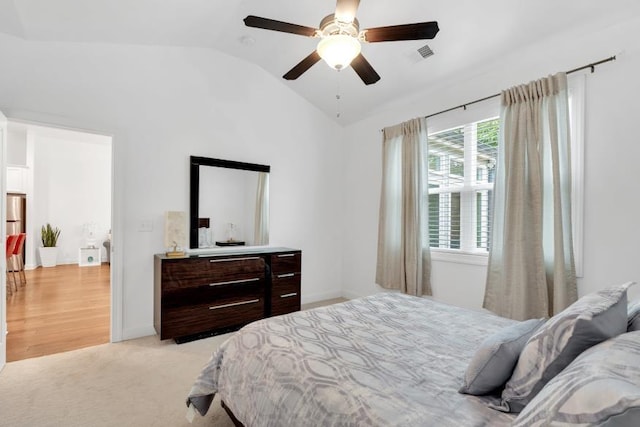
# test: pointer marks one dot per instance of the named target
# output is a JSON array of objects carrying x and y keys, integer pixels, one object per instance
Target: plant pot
[{"x": 48, "y": 256}]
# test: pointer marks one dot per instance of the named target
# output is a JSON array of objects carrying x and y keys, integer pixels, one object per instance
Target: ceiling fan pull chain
[{"x": 338, "y": 96}]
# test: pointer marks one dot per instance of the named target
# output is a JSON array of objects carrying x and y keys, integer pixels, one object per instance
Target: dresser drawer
[
  {"x": 285, "y": 303},
  {"x": 285, "y": 284},
  {"x": 285, "y": 263},
  {"x": 211, "y": 271},
  {"x": 189, "y": 320},
  {"x": 215, "y": 292},
  {"x": 285, "y": 293}
]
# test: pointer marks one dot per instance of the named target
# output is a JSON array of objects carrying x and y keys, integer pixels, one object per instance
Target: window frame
[
  {"x": 464, "y": 118},
  {"x": 468, "y": 192}
]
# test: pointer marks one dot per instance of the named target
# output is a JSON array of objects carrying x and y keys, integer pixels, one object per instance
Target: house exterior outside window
[{"x": 462, "y": 164}]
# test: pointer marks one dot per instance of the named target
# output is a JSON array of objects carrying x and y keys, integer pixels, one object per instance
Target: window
[
  {"x": 462, "y": 161},
  {"x": 462, "y": 164}
]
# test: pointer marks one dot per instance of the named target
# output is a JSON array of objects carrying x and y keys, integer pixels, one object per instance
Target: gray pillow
[
  {"x": 601, "y": 387},
  {"x": 633, "y": 316},
  {"x": 590, "y": 320},
  {"x": 493, "y": 362}
]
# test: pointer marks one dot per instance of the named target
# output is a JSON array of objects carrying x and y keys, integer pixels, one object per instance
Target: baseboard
[
  {"x": 351, "y": 295},
  {"x": 139, "y": 332},
  {"x": 307, "y": 299},
  {"x": 66, "y": 262}
]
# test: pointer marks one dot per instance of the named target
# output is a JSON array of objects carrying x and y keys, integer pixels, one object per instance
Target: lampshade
[{"x": 338, "y": 50}]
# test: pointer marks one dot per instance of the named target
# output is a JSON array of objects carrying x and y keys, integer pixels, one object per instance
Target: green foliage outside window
[{"x": 487, "y": 133}]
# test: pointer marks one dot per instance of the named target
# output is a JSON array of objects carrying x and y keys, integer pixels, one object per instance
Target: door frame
[
  {"x": 116, "y": 254},
  {"x": 3, "y": 236}
]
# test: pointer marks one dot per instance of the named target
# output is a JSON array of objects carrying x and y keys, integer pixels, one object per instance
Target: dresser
[{"x": 204, "y": 294}]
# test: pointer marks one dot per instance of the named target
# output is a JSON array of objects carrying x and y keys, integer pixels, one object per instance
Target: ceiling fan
[{"x": 340, "y": 38}]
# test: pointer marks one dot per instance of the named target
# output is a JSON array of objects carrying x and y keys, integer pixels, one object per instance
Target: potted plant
[{"x": 49, "y": 251}]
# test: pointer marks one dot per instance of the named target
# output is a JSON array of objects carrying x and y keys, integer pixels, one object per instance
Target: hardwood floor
[{"x": 60, "y": 308}]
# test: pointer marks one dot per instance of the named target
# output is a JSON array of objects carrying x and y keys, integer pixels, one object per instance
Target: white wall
[
  {"x": 16, "y": 146},
  {"x": 612, "y": 154},
  {"x": 164, "y": 104},
  {"x": 71, "y": 188}
]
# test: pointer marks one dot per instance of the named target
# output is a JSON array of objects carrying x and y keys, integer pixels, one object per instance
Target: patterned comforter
[{"x": 384, "y": 360}]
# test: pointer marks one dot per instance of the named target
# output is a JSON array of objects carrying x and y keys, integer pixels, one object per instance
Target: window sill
[{"x": 459, "y": 257}]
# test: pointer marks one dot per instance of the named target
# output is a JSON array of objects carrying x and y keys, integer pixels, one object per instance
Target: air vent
[{"x": 425, "y": 51}]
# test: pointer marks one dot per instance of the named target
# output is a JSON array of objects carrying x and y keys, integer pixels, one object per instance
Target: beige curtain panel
[
  {"x": 531, "y": 269},
  {"x": 403, "y": 252}
]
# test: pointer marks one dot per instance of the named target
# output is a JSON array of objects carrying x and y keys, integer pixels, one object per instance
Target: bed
[
  {"x": 396, "y": 360},
  {"x": 384, "y": 360}
]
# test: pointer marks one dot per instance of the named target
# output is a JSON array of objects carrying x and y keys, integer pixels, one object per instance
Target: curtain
[
  {"x": 261, "y": 226},
  {"x": 403, "y": 253},
  {"x": 531, "y": 270}
]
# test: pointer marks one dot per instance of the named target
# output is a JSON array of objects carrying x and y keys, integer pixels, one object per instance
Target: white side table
[{"x": 88, "y": 257}]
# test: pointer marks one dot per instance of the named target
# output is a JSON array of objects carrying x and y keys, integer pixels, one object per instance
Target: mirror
[{"x": 229, "y": 203}]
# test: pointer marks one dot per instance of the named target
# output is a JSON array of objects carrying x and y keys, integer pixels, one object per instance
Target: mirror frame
[{"x": 194, "y": 187}]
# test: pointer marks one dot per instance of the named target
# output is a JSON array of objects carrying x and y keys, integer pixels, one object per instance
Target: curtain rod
[{"x": 584, "y": 67}]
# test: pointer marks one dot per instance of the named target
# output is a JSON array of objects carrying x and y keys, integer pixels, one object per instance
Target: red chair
[
  {"x": 17, "y": 256},
  {"x": 12, "y": 239}
]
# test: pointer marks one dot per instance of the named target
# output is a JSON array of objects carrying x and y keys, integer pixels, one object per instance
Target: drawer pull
[
  {"x": 292, "y": 294},
  {"x": 234, "y": 259},
  {"x": 280, "y": 276},
  {"x": 233, "y": 304},
  {"x": 234, "y": 282},
  {"x": 285, "y": 255}
]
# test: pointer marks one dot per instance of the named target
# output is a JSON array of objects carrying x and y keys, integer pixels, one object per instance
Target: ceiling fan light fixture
[{"x": 338, "y": 50}]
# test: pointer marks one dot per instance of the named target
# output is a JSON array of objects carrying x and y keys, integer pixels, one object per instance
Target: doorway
[{"x": 65, "y": 177}]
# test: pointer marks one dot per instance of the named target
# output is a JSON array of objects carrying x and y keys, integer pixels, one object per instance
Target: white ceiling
[{"x": 472, "y": 33}]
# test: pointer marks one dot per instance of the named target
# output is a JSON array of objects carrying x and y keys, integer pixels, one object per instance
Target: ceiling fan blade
[
  {"x": 419, "y": 31},
  {"x": 285, "y": 27},
  {"x": 302, "y": 66},
  {"x": 366, "y": 72},
  {"x": 346, "y": 10}
]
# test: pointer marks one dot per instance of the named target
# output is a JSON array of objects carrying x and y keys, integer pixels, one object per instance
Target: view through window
[{"x": 462, "y": 163}]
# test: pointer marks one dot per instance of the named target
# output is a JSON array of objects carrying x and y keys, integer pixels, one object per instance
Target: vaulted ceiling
[{"x": 472, "y": 33}]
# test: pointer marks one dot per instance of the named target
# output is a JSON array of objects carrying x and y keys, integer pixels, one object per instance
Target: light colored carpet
[{"x": 142, "y": 383}]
